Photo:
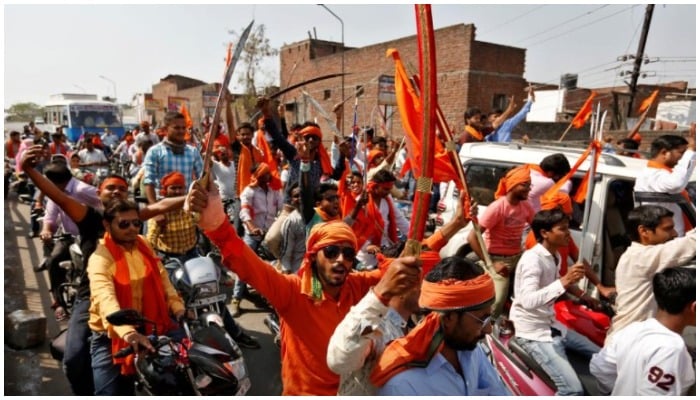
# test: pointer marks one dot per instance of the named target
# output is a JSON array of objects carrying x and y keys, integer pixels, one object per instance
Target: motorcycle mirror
[{"x": 126, "y": 316}]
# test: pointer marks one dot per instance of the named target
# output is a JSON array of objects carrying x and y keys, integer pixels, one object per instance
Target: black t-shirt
[{"x": 91, "y": 230}]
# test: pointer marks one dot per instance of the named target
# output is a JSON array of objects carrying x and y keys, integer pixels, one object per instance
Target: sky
[{"x": 126, "y": 48}]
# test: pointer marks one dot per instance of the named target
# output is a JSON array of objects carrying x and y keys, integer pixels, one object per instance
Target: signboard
[
  {"x": 209, "y": 99},
  {"x": 152, "y": 104},
  {"x": 175, "y": 103},
  {"x": 387, "y": 91}
]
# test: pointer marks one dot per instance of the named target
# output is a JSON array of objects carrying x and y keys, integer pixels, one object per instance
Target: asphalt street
[{"x": 33, "y": 372}]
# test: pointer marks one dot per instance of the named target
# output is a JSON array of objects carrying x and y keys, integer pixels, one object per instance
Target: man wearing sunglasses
[
  {"x": 124, "y": 272},
  {"x": 441, "y": 356},
  {"x": 310, "y": 303},
  {"x": 76, "y": 357}
]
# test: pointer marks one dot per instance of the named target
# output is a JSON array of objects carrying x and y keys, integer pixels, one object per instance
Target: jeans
[
  {"x": 551, "y": 356},
  {"x": 240, "y": 289},
  {"x": 108, "y": 378},
  {"x": 76, "y": 357},
  {"x": 55, "y": 253}
]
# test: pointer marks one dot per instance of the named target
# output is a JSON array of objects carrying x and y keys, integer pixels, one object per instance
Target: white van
[{"x": 613, "y": 199}]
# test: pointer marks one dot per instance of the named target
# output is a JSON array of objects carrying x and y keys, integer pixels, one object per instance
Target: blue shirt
[
  {"x": 160, "y": 161},
  {"x": 503, "y": 133},
  {"x": 439, "y": 378}
]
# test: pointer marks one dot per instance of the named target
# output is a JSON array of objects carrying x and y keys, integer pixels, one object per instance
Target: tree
[
  {"x": 20, "y": 112},
  {"x": 256, "y": 49}
]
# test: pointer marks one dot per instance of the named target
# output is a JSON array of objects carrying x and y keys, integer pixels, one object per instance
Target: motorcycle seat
[{"x": 531, "y": 363}]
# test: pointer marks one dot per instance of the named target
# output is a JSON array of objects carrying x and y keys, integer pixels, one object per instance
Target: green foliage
[
  {"x": 256, "y": 49},
  {"x": 20, "y": 112}
]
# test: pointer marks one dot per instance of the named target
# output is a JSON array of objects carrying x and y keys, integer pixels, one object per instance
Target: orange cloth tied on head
[
  {"x": 322, "y": 235},
  {"x": 446, "y": 295},
  {"x": 323, "y": 157},
  {"x": 513, "y": 178},
  {"x": 113, "y": 181},
  {"x": 261, "y": 170},
  {"x": 429, "y": 259},
  {"x": 373, "y": 155},
  {"x": 173, "y": 178},
  {"x": 557, "y": 199}
]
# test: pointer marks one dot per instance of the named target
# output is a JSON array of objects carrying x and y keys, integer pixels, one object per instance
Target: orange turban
[
  {"x": 637, "y": 138},
  {"x": 445, "y": 295},
  {"x": 373, "y": 155},
  {"x": 173, "y": 178},
  {"x": 326, "y": 166},
  {"x": 557, "y": 199},
  {"x": 513, "y": 178},
  {"x": 261, "y": 170},
  {"x": 322, "y": 235}
]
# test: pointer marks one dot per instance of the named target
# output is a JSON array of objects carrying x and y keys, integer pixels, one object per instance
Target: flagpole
[{"x": 566, "y": 131}]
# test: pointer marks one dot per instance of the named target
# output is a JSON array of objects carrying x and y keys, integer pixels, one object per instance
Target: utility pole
[{"x": 639, "y": 57}]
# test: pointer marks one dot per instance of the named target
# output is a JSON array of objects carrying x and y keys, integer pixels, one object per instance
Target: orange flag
[
  {"x": 584, "y": 113},
  {"x": 183, "y": 111},
  {"x": 649, "y": 101},
  {"x": 410, "y": 109},
  {"x": 229, "y": 53},
  {"x": 270, "y": 160}
]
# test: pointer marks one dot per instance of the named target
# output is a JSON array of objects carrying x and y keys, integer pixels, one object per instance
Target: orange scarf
[
  {"x": 269, "y": 157},
  {"x": 246, "y": 159},
  {"x": 324, "y": 215},
  {"x": 684, "y": 193},
  {"x": 347, "y": 198},
  {"x": 154, "y": 305},
  {"x": 323, "y": 157},
  {"x": 473, "y": 132},
  {"x": 62, "y": 149},
  {"x": 369, "y": 225},
  {"x": 513, "y": 178}
]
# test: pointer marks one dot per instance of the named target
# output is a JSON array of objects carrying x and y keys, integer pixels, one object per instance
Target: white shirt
[
  {"x": 260, "y": 206},
  {"x": 359, "y": 340},
  {"x": 634, "y": 274},
  {"x": 402, "y": 225},
  {"x": 540, "y": 184},
  {"x": 646, "y": 359},
  {"x": 225, "y": 179},
  {"x": 659, "y": 180},
  {"x": 94, "y": 156},
  {"x": 536, "y": 287}
]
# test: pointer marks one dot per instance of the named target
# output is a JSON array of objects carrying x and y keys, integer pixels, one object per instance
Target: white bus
[{"x": 80, "y": 113}]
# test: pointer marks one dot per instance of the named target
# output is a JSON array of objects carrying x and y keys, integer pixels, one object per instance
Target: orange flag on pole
[
  {"x": 584, "y": 113},
  {"x": 229, "y": 54},
  {"x": 183, "y": 111},
  {"x": 649, "y": 101},
  {"x": 410, "y": 110}
]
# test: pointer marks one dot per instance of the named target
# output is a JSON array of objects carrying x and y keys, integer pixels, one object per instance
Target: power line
[
  {"x": 513, "y": 19},
  {"x": 579, "y": 27},
  {"x": 563, "y": 23}
]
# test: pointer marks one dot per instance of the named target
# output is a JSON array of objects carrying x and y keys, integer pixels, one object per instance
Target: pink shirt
[{"x": 504, "y": 225}]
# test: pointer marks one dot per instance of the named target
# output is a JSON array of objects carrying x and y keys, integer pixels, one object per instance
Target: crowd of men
[{"x": 356, "y": 318}]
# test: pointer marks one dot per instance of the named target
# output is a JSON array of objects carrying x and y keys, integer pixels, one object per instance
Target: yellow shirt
[
  {"x": 179, "y": 236},
  {"x": 103, "y": 298}
]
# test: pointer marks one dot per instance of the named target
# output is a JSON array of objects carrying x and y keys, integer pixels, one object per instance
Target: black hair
[
  {"x": 453, "y": 267},
  {"x": 310, "y": 123},
  {"x": 358, "y": 174},
  {"x": 369, "y": 131},
  {"x": 666, "y": 142},
  {"x": 117, "y": 205},
  {"x": 58, "y": 172},
  {"x": 14, "y": 133},
  {"x": 556, "y": 163},
  {"x": 378, "y": 139},
  {"x": 291, "y": 187},
  {"x": 648, "y": 216},
  {"x": 171, "y": 116},
  {"x": 545, "y": 220},
  {"x": 628, "y": 144},
  {"x": 471, "y": 112},
  {"x": 323, "y": 188},
  {"x": 383, "y": 176},
  {"x": 295, "y": 126},
  {"x": 245, "y": 125},
  {"x": 674, "y": 289}
]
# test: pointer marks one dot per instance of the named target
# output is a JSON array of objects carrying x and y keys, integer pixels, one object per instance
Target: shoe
[
  {"x": 42, "y": 267},
  {"x": 236, "y": 308},
  {"x": 243, "y": 340}
]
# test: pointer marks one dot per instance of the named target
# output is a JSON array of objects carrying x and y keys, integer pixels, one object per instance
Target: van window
[
  {"x": 483, "y": 181},
  {"x": 619, "y": 203}
]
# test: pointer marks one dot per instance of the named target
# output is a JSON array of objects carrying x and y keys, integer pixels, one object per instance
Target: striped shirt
[{"x": 160, "y": 161}]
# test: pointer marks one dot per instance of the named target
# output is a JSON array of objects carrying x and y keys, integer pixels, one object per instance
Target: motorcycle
[
  {"x": 204, "y": 362},
  {"x": 521, "y": 373},
  {"x": 67, "y": 291}
]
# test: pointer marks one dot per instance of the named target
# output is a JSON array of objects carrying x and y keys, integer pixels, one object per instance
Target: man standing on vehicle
[
  {"x": 671, "y": 164},
  {"x": 537, "y": 286},
  {"x": 655, "y": 247},
  {"x": 310, "y": 303},
  {"x": 503, "y": 223}
]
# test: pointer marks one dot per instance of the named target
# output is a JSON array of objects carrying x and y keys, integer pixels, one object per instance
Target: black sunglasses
[
  {"x": 334, "y": 251},
  {"x": 136, "y": 223}
]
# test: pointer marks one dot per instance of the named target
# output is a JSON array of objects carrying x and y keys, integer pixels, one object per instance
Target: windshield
[{"x": 94, "y": 116}]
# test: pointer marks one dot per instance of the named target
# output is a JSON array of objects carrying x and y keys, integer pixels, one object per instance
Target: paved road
[{"x": 34, "y": 372}]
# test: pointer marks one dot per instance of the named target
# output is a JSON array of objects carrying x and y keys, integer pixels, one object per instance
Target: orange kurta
[{"x": 306, "y": 325}]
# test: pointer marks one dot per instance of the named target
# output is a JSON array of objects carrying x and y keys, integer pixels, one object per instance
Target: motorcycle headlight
[{"x": 207, "y": 289}]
